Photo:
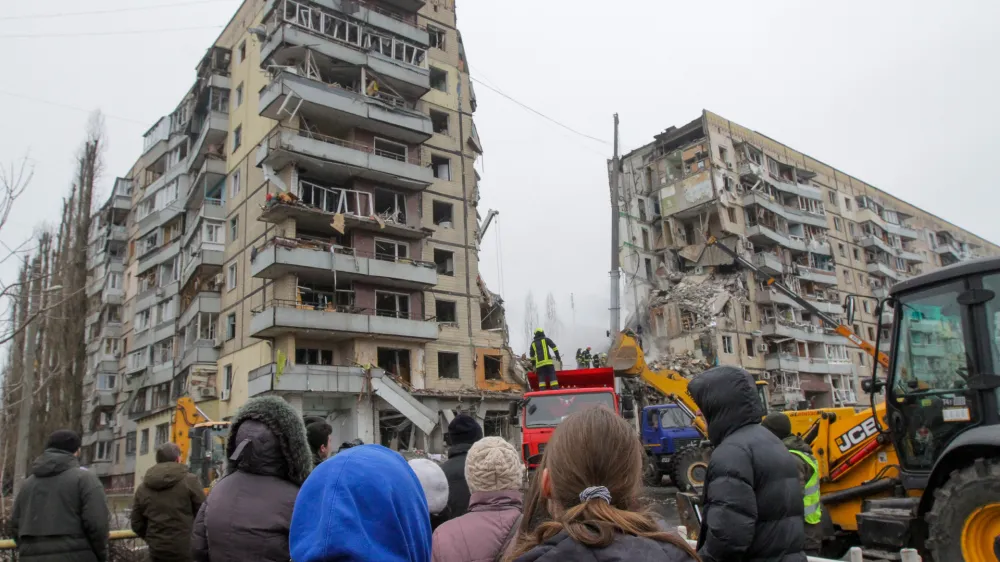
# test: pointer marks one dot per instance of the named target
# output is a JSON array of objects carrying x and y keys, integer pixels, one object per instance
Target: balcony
[
  {"x": 200, "y": 352},
  {"x": 349, "y": 108},
  {"x": 928, "y": 349},
  {"x": 121, "y": 202},
  {"x": 799, "y": 331},
  {"x": 822, "y": 366},
  {"x": 315, "y": 261},
  {"x": 286, "y": 316},
  {"x": 883, "y": 270},
  {"x": 800, "y": 189},
  {"x": 790, "y": 214},
  {"x": 775, "y": 297},
  {"x": 816, "y": 275},
  {"x": 404, "y": 68},
  {"x": 357, "y": 208},
  {"x": 871, "y": 215},
  {"x": 103, "y": 398},
  {"x": 205, "y": 254},
  {"x": 341, "y": 160},
  {"x": 158, "y": 255},
  {"x": 342, "y": 380},
  {"x": 210, "y": 175},
  {"x": 205, "y": 301},
  {"x": 769, "y": 263},
  {"x": 113, "y": 295},
  {"x": 766, "y": 236},
  {"x": 210, "y": 143},
  {"x": 825, "y": 306}
]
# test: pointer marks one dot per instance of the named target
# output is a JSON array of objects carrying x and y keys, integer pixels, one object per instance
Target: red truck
[{"x": 541, "y": 411}]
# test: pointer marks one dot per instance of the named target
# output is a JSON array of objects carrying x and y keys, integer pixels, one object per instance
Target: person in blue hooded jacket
[{"x": 362, "y": 504}]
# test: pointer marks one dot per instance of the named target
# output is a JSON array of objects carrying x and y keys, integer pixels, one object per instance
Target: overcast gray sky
[{"x": 899, "y": 94}]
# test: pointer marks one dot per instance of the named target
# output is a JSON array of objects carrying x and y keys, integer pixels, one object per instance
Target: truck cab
[
  {"x": 666, "y": 428},
  {"x": 542, "y": 410}
]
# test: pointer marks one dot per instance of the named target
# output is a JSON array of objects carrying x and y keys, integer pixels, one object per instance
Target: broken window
[
  {"x": 239, "y": 96},
  {"x": 441, "y": 167},
  {"x": 231, "y": 326},
  {"x": 732, "y": 215},
  {"x": 307, "y": 356},
  {"x": 447, "y": 311},
  {"x": 871, "y": 333},
  {"x": 439, "y": 121},
  {"x": 390, "y": 205},
  {"x": 837, "y": 225},
  {"x": 727, "y": 344},
  {"x": 847, "y": 203},
  {"x": 491, "y": 317},
  {"x": 241, "y": 52},
  {"x": 445, "y": 262},
  {"x": 389, "y": 149},
  {"x": 832, "y": 195},
  {"x": 443, "y": 213},
  {"x": 493, "y": 368},
  {"x": 237, "y": 137},
  {"x": 436, "y": 37},
  {"x": 649, "y": 268},
  {"x": 645, "y": 239},
  {"x": 750, "y": 350},
  {"x": 447, "y": 365},
  {"x": 390, "y": 250},
  {"x": 723, "y": 154},
  {"x": 843, "y": 250},
  {"x": 395, "y": 361},
  {"x": 439, "y": 79},
  {"x": 850, "y": 227},
  {"x": 747, "y": 314},
  {"x": 393, "y": 305},
  {"x": 687, "y": 320}
]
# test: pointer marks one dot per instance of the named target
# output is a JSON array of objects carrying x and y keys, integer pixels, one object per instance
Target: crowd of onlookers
[{"x": 282, "y": 499}]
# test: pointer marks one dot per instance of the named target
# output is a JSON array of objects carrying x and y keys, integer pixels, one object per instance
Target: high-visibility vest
[
  {"x": 811, "y": 492},
  {"x": 543, "y": 357}
]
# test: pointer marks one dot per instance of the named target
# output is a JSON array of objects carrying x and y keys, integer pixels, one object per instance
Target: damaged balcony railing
[
  {"x": 323, "y": 305},
  {"x": 411, "y": 156},
  {"x": 327, "y": 246}
]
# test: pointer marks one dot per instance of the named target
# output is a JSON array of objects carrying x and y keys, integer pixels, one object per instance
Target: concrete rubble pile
[{"x": 704, "y": 296}]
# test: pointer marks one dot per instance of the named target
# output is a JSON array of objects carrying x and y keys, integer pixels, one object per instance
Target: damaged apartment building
[
  {"x": 304, "y": 224},
  {"x": 823, "y": 233}
]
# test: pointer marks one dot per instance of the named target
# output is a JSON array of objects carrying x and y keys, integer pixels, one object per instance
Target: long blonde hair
[{"x": 594, "y": 447}]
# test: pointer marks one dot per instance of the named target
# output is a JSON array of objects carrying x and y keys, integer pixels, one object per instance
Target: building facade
[
  {"x": 304, "y": 224},
  {"x": 822, "y": 232}
]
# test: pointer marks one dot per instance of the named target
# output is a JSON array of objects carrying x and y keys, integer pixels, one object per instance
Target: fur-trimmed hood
[{"x": 267, "y": 436}]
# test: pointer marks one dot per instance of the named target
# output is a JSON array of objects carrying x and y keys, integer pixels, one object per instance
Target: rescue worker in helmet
[
  {"x": 581, "y": 363},
  {"x": 585, "y": 359},
  {"x": 596, "y": 360},
  {"x": 542, "y": 351}
]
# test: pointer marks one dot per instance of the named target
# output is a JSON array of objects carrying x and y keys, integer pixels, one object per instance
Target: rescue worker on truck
[
  {"x": 580, "y": 362},
  {"x": 542, "y": 351}
]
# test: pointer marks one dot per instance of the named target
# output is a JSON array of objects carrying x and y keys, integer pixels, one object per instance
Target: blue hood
[{"x": 362, "y": 504}]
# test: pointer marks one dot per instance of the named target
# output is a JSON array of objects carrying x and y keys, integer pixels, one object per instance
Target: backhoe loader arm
[
  {"x": 840, "y": 329},
  {"x": 627, "y": 359},
  {"x": 186, "y": 416}
]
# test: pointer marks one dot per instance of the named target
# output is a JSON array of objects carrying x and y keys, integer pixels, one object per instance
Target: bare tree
[
  {"x": 552, "y": 325},
  {"x": 530, "y": 317}
]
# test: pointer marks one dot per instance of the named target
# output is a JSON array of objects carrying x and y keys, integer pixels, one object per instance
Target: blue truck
[{"x": 666, "y": 430}]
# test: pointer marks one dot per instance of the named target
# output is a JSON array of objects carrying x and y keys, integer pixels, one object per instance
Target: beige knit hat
[{"x": 492, "y": 465}]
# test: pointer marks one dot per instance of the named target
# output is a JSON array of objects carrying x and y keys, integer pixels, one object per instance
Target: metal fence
[{"x": 123, "y": 546}]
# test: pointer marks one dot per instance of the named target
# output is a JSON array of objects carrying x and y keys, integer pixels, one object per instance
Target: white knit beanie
[
  {"x": 492, "y": 465},
  {"x": 434, "y": 482}
]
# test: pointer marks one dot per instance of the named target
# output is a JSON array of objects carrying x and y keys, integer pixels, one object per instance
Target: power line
[
  {"x": 102, "y": 33},
  {"x": 111, "y": 10},
  {"x": 539, "y": 113},
  {"x": 73, "y": 107}
]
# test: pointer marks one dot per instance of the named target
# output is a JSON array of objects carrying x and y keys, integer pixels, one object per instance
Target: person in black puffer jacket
[
  {"x": 463, "y": 432},
  {"x": 752, "y": 499},
  {"x": 589, "y": 490}
]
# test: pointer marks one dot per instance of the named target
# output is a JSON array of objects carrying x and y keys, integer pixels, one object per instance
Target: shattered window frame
[{"x": 727, "y": 345}]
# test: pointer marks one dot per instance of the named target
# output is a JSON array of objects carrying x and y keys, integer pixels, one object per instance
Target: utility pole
[
  {"x": 26, "y": 407},
  {"x": 615, "y": 260}
]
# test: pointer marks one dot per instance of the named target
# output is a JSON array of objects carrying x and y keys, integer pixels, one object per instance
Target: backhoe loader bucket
[{"x": 625, "y": 357}]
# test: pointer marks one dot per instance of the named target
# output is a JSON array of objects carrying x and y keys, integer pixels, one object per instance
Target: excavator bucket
[{"x": 625, "y": 356}]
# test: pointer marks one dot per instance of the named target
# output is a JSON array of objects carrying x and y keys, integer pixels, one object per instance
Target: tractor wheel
[
  {"x": 965, "y": 518},
  {"x": 690, "y": 467},
  {"x": 651, "y": 474}
]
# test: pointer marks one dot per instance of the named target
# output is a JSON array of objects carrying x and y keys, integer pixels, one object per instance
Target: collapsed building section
[{"x": 821, "y": 232}]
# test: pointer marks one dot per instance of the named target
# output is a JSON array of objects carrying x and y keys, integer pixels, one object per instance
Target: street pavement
[{"x": 662, "y": 501}]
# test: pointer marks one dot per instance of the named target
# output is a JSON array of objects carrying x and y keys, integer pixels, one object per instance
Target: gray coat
[
  {"x": 562, "y": 548},
  {"x": 248, "y": 513},
  {"x": 61, "y": 513}
]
